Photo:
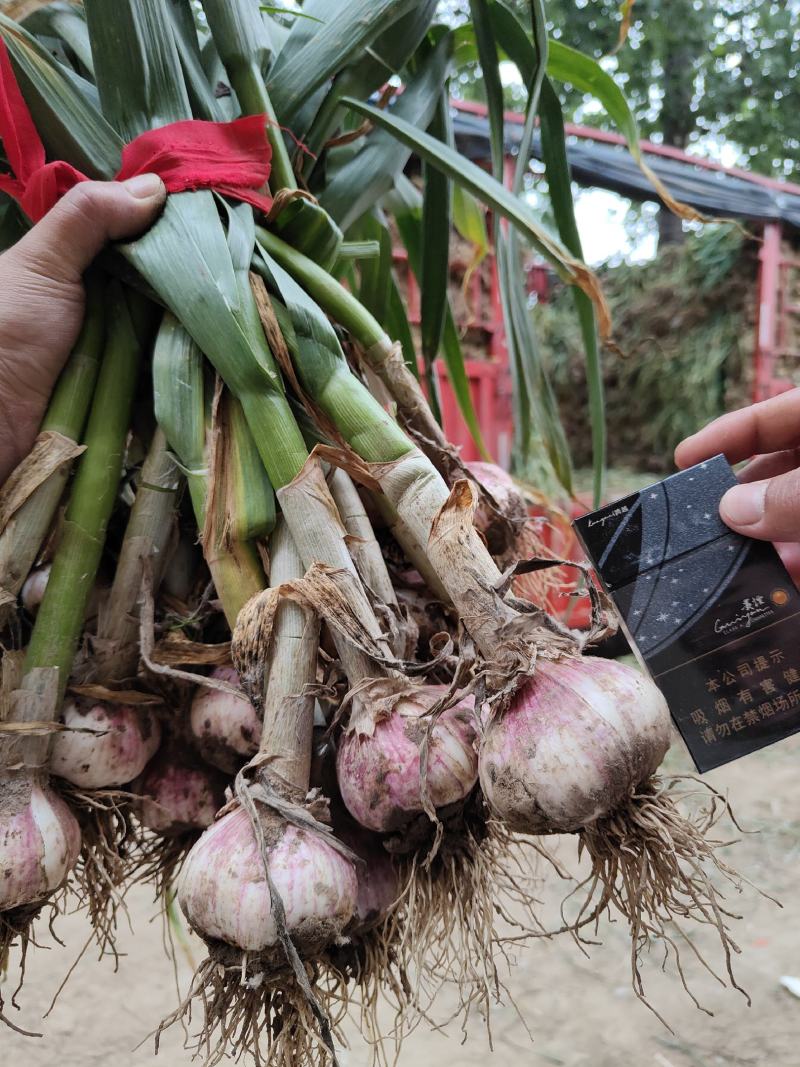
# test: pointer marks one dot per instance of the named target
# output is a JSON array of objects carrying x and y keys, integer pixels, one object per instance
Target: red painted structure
[
  {"x": 490, "y": 378},
  {"x": 775, "y": 344}
]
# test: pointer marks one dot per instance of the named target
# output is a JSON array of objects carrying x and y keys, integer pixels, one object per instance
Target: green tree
[{"x": 695, "y": 69}]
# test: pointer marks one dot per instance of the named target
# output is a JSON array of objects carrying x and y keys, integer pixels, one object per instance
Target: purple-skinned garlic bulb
[
  {"x": 225, "y": 726},
  {"x": 177, "y": 797},
  {"x": 39, "y": 841},
  {"x": 576, "y": 739},
  {"x": 498, "y": 523},
  {"x": 224, "y": 894},
  {"x": 104, "y": 745},
  {"x": 379, "y": 773}
]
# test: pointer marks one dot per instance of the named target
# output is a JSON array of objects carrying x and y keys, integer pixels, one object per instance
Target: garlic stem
[{"x": 288, "y": 722}]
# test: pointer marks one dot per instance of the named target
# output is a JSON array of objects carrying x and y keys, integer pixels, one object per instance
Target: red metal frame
[
  {"x": 773, "y": 315},
  {"x": 769, "y": 260},
  {"x": 490, "y": 379}
]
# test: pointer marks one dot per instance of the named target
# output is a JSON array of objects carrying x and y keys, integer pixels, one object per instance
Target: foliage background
[
  {"x": 723, "y": 71},
  {"x": 684, "y": 326}
]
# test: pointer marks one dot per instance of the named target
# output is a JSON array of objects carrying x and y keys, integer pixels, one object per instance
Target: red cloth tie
[{"x": 233, "y": 158}]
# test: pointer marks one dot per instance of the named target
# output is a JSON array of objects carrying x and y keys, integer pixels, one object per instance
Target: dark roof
[{"x": 712, "y": 192}]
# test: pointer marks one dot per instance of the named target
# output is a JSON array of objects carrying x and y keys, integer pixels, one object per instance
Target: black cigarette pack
[{"x": 713, "y": 616}]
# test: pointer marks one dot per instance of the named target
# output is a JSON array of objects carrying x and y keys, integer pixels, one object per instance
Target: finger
[
  {"x": 768, "y": 510},
  {"x": 770, "y": 426},
  {"x": 68, "y": 238},
  {"x": 770, "y": 466},
  {"x": 789, "y": 551}
]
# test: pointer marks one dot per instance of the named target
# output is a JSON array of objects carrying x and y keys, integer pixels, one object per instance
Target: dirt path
[{"x": 580, "y": 1011}]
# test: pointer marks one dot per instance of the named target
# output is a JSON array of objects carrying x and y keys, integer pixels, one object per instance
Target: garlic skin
[
  {"x": 39, "y": 842},
  {"x": 508, "y": 499},
  {"x": 225, "y": 897},
  {"x": 226, "y": 727},
  {"x": 119, "y": 742},
  {"x": 379, "y": 774},
  {"x": 426, "y": 615},
  {"x": 177, "y": 797},
  {"x": 575, "y": 740}
]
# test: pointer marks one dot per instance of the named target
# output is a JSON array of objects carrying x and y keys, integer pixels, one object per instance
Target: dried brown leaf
[
  {"x": 50, "y": 451},
  {"x": 175, "y": 649},
  {"x": 115, "y": 696}
]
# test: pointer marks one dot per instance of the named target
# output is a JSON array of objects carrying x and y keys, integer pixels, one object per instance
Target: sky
[
  {"x": 611, "y": 227},
  {"x": 608, "y": 225},
  {"x": 602, "y": 216}
]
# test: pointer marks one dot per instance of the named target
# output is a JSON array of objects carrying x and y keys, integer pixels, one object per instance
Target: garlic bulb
[
  {"x": 109, "y": 745},
  {"x": 226, "y": 727},
  {"x": 378, "y": 875},
  {"x": 34, "y": 587},
  {"x": 39, "y": 842},
  {"x": 379, "y": 775},
  {"x": 576, "y": 739},
  {"x": 224, "y": 894},
  {"x": 33, "y": 590},
  {"x": 177, "y": 797}
]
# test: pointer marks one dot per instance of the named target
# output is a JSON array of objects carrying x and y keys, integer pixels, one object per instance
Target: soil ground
[{"x": 580, "y": 1011}]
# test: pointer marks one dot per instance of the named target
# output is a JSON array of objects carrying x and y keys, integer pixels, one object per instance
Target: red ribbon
[{"x": 232, "y": 158}]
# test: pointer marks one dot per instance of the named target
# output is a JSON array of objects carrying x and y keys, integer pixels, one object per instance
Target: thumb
[
  {"x": 62, "y": 245},
  {"x": 768, "y": 509}
]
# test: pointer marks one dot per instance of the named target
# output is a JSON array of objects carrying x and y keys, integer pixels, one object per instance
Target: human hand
[
  {"x": 767, "y": 503},
  {"x": 42, "y": 297}
]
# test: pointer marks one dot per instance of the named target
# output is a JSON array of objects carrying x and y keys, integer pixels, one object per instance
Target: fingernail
[
  {"x": 744, "y": 504},
  {"x": 144, "y": 186}
]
